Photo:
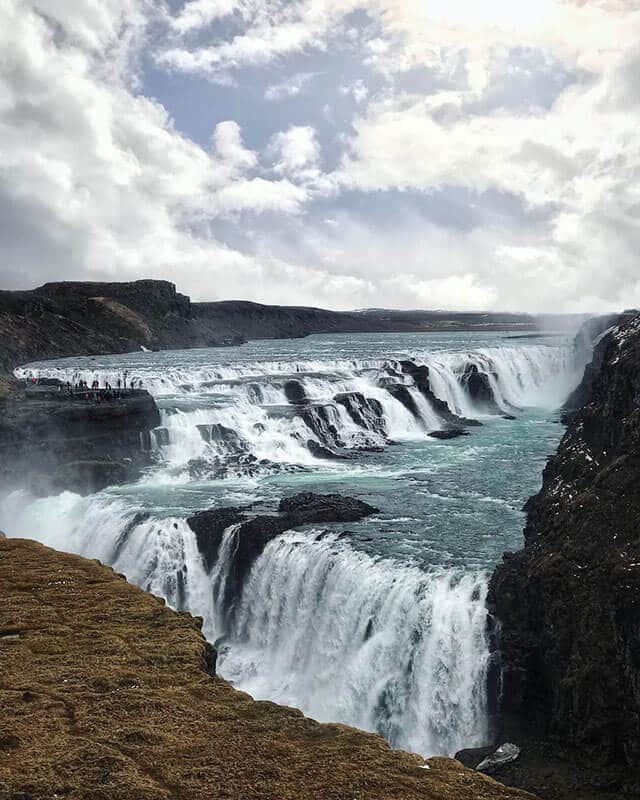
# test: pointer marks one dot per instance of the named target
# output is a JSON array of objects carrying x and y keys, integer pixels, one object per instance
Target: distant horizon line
[{"x": 362, "y": 310}]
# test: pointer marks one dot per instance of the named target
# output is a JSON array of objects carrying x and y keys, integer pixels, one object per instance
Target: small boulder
[
  {"x": 503, "y": 755},
  {"x": 320, "y": 451},
  {"x": 472, "y": 756}
]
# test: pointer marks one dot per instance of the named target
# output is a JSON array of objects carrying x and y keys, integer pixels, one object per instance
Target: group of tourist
[{"x": 93, "y": 392}]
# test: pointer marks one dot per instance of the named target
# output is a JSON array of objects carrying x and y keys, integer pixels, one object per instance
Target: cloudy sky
[{"x": 340, "y": 153}]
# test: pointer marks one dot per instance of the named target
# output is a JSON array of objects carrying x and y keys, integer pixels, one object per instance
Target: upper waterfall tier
[{"x": 244, "y": 416}]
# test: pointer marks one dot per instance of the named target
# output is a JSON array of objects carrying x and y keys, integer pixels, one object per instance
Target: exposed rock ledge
[
  {"x": 107, "y": 694},
  {"x": 52, "y": 441},
  {"x": 569, "y": 603}
]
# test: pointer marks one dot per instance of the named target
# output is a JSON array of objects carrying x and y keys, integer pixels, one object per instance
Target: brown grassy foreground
[{"x": 104, "y": 695}]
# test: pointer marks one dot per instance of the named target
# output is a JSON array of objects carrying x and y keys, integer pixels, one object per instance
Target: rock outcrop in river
[
  {"x": 107, "y": 694},
  {"x": 254, "y": 533},
  {"x": 569, "y": 603}
]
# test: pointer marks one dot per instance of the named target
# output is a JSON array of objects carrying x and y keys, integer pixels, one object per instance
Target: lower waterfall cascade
[{"x": 382, "y": 623}]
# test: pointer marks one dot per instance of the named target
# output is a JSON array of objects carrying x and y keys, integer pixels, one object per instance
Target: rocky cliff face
[
  {"x": 569, "y": 603},
  {"x": 66, "y": 319},
  {"x": 52, "y": 441},
  {"x": 106, "y": 694}
]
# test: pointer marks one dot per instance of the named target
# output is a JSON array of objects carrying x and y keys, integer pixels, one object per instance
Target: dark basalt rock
[
  {"x": 400, "y": 393},
  {"x": 472, "y": 756},
  {"x": 310, "y": 507},
  {"x": 253, "y": 535},
  {"x": 91, "y": 476},
  {"x": 588, "y": 334},
  {"x": 322, "y": 421},
  {"x": 209, "y": 526},
  {"x": 138, "y": 519},
  {"x": 506, "y": 754},
  {"x": 569, "y": 603},
  {"x": 420, "y": 375},
  {"x": 295, "y": 394},
  {"x": 54, "y": 441},
  {"x": 320, "y": 451},
  {"x": 364, "y": 411},
  {"x": 448, "y": 433},
  {"x": 225, "y": 438},
  {"x": 478, "y": 387}
]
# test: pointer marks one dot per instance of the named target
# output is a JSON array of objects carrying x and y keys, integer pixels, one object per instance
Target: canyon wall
[{"x": 568, "y": 604}]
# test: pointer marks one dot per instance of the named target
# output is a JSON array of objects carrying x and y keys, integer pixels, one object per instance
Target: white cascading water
[
  {"x": 376, "y": 642},
  {"x": 250, "y": 400}
]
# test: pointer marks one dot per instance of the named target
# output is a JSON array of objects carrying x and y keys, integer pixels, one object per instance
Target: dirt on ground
[{"x": 105, "y": 693}]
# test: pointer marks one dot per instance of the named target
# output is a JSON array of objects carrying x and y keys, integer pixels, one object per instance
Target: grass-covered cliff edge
[
  {"x": 105, "y": 693},
  {"x": 569, "y": 602}
]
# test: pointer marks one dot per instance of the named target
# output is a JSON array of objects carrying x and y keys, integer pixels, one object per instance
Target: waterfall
[
  {"x": 234, "y": 419},
  {"x": 388, "y": 635},
  {"x": 376, "y": 643}
]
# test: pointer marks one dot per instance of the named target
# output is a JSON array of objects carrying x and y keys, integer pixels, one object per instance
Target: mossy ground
[{"x": 104, "y": 695}]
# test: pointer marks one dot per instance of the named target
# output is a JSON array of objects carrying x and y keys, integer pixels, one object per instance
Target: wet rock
[
  {"x": 138, "y": 519},
  {"x": 251, "y": 538},
  {"x": 402, "y": 394},
  {"x": 92, "y": 476},
  {"x": 503, "y": 755},
  {"x": 472, "y": 756},
  {"x": 161, "y": 436},
  {"x": 226, "y": 439},
  {"x": 310, "y": 507},
  {"x": 254, "y": 534},
  {"x": 478, "y": 386},
  {"x": 62, "y": 442},
  {"x": 295, "y": 394},
  {"x": 364, "y": 411},
  {"x": 585, "y": 339},
  {"x": 320, "y": 451},
  {"x": 508, "y": 416},
  {"x": 420, "y": 375},
  {"x": 209, "y": 527},
  {"x": 322, "y": 420},
  {"x": 448, "y": 433},
  {"x": 368, "y": 448}
]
